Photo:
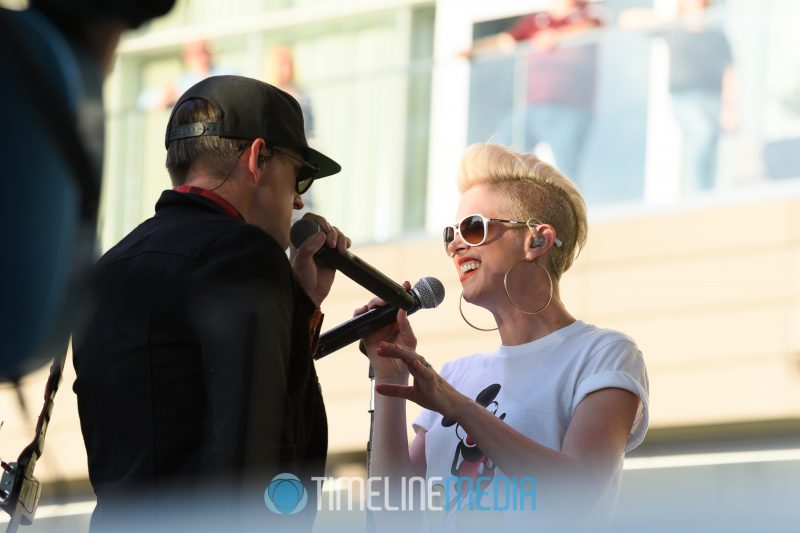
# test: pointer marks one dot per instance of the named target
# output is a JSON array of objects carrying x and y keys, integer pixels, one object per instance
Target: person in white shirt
[{"x": 559, "y": 401}]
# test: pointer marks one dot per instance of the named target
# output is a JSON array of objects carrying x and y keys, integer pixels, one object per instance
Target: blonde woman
[{"x": 559, "y": 401}]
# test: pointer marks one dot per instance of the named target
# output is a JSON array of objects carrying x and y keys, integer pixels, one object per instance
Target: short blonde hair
[{"x": 532, "y": 189}]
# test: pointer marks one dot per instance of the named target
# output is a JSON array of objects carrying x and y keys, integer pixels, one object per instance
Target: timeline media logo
[{"x": 286, "y": 494}]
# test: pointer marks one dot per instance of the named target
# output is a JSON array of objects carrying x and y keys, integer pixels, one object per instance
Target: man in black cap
[{"x": 194, "y": 372}]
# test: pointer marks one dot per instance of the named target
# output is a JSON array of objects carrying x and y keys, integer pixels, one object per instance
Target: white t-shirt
[{"x": 535, "y": 388}]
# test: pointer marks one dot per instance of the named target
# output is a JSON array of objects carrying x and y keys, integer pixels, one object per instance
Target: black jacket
[{"x": 195, "y": 365}]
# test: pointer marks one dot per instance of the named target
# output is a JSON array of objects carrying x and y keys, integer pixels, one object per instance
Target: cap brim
[{"x": 326, "y": 165}]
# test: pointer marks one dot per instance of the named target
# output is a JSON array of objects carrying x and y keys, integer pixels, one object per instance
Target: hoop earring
[
  {"x": 470, "y": 324},
  {"x": 505, "y": 286}
]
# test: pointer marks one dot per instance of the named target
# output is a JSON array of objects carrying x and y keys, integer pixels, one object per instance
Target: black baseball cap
[{"x": 251, "y": 109}]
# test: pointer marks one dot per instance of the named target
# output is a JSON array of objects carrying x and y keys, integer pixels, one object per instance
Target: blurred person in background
[
  {"x": 560, "y": 88},
  {"x": 279, "y": 70},
  {"x": 198, "y": 64},
  {"x": 559, "y": 400},
  {"x": 702, "y": 83}
]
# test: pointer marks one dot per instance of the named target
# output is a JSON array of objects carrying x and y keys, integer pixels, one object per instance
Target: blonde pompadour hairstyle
[{"x": 532, "y": 189}]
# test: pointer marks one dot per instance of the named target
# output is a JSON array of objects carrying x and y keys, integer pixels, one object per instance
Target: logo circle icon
[{"x": 285, "y": 494}]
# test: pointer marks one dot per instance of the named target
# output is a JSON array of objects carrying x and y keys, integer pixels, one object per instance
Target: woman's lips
[{"x": 467, "y": 267}]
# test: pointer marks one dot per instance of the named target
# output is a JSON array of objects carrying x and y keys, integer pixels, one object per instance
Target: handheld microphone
[
  {"x": 353, "y": 267},
  {"x": 427, "y": 293}
]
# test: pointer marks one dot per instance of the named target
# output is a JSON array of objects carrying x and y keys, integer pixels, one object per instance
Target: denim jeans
[
  {"x": 563, "y": 127},
  {"x": 697, "y": 113}
]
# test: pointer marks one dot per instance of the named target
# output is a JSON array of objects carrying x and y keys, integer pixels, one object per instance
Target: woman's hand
[
  {"x": 389, "y": 370},
  {"x": 430, "y": 390}
]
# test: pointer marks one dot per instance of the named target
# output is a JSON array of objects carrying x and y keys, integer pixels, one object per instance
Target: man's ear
[{"x": 256, "y": 159}]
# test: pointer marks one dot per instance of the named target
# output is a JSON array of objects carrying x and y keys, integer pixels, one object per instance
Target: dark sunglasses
[
  {"x": 474, "y": 229},
  {"x": 306, "y": 172}
]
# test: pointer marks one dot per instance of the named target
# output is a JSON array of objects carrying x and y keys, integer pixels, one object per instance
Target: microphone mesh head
[
  {"x": 302, "y": 230},
  {"x": 430, "y": 292}
]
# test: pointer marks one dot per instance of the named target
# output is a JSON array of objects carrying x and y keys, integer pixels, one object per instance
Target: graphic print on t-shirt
[{"x": 469, "y": 461}]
